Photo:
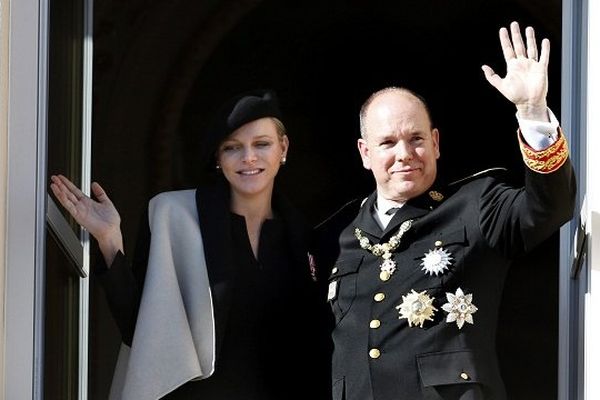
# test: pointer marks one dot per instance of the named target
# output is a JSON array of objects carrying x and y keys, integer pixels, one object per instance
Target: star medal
[
  {"x": 460, "y": 308},
  {"x": 436, "y": 261},
  {"x": 384, "y": 250},
  {"x": 416, "y": 308}
]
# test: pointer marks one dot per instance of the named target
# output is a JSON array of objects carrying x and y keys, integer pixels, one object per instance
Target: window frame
[{"x": 27, "y": 196}]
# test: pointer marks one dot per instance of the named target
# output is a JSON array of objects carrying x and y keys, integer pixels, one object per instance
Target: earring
[
  {"x": 217, "y": 166},
  {"x": 283, "y": 160}
]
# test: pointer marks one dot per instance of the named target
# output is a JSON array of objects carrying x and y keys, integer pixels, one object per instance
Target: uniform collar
[
  {"x": 416, "y": 207},
  {"x": 365, "y": 220}
]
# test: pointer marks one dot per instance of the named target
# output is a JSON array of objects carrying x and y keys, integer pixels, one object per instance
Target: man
[{"x": 417, "y": 271}]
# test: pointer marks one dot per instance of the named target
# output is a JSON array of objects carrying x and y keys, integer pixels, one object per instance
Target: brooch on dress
[
  {"x": 416, "y": 308},
  {"x": 460, "y": 308},
  {"x": 384, "y": 250}
]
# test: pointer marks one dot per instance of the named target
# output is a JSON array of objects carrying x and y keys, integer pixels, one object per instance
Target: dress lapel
[
  {"x": 212, "y": 203},
  {"x": 296, "y": 233}
]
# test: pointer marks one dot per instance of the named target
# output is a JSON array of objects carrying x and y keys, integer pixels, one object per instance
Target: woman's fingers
[
  {"x": 74, "y": 190},
  {"x": 100, "y": 193},
  {"x": 62, "y": 193}
]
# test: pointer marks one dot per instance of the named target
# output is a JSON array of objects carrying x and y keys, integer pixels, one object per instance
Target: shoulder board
[{"x": 480, "y": 174}]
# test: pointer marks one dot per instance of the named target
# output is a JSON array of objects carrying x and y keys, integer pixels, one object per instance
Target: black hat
[{"x": 237, "y": 111}]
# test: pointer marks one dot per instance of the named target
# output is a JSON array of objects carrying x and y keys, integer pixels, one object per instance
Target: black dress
[
  {"x": 274, "y": 343},
  {"x": 254, "y": 362}
]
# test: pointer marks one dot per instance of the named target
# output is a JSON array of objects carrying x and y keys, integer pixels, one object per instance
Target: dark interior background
[{"x": 160, "y": 67}]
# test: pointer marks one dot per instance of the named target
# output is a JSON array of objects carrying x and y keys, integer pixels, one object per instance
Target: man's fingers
[
  {"x": 491, "y": 76},
  {"x": 517, "y": 40},
  {"x": 545, "y": 54},
  {"x": 507, "y": 49},
  {"x": 532, "y": 50}
]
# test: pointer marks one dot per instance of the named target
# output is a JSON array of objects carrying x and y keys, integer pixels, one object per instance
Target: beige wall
[{"x": 3, "y": 165}]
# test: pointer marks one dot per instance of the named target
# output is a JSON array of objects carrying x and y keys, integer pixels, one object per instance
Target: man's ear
[
  {"x": 363, "y": 149},
  {"x": 435, "y": 136}
]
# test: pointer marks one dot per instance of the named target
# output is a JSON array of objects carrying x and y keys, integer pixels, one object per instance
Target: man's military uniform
[{"x": 416, "y": 304}]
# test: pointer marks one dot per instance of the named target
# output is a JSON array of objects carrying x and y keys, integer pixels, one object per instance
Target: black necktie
[{"x": 392, "y": 211}]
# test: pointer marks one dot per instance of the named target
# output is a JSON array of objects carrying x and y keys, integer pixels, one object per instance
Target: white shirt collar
[{"x": 382, "y": 205}]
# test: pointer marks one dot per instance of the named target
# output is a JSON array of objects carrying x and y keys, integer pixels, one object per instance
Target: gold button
[
  {"x": 374, "y": 353},
  {"x": 384, "y": 276},
  {"x": 334, "y": 270},
  {"x": 438, "y": 243},
  {"x": 465, "y": 376},
  {"x": 379, "y": 297},
  {"x": 374, "y": 324}
]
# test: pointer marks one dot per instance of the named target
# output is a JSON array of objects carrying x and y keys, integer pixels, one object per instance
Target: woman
[{"x": 221, "y": 301}]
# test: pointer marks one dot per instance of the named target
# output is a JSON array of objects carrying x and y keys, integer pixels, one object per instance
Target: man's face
[{"x": 400, "y": 147}]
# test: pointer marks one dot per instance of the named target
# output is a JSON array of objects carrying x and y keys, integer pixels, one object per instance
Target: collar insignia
[{"x": 436, "y": 196}]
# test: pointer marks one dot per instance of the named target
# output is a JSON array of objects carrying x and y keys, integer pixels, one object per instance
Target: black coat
[{"x": 481, "y": 223}]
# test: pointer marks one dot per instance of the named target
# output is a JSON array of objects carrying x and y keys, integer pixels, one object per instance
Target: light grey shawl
[{"x": 174, "y": 338}]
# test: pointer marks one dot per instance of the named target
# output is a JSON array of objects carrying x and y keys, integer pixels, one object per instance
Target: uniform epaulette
[{"x": 477, "y": 175}]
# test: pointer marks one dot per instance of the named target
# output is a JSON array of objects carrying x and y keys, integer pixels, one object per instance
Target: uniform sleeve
[{"x": 515, "y": 220}]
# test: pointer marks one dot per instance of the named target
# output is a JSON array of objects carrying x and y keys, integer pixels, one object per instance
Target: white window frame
[
  {"x": 27, "y": 196},
  {"x": 592, "y": 297},
  {"x": 579, "y": 303}
]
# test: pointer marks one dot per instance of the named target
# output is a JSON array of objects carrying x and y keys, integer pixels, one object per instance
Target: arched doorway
[{"x": 324, "y": 59}]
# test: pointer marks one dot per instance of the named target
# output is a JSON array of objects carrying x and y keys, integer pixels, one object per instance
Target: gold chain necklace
[{"x": 384, "y": 250}]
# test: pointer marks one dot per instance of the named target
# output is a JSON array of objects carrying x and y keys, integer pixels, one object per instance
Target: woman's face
[{"x": 251, "y": 156}]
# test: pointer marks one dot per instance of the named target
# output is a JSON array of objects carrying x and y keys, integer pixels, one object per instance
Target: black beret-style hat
[
  {"x": 237, "y": 111},
  {"x": 241, "y": 109}
]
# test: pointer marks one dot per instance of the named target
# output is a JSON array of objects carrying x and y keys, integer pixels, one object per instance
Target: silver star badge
[
  {"x": 460, "y": 308},
  {"x": 436, "y": 261}
]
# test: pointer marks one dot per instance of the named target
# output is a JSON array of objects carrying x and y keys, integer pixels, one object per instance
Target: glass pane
[
  {"x": 62, "y": 284},
  {"x": 65, "y": 91},
  {"x": 61, "y": 328}
]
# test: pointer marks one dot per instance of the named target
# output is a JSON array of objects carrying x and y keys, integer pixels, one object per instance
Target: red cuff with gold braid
[{"x": 548, "y": 160}]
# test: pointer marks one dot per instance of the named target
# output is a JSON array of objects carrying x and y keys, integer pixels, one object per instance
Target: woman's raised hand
[{"x": 100, "y": 218}]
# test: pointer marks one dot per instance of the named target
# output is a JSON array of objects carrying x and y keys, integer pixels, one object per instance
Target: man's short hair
[{"x": 363, "y": 110}]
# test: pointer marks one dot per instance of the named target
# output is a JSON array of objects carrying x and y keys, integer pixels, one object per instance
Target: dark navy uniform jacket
[{"x": 482, "y": 223}]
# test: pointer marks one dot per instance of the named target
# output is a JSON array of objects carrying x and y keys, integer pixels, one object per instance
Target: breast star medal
[
  {"x": 436, "y": 261},
  {"x": 460, "y": 308},
  {"x": 384, "y": 250},
  {"x": 416, "y": 308}
]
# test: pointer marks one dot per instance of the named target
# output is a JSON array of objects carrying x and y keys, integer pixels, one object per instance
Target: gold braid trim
[{"x": 548, "y": 160}]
